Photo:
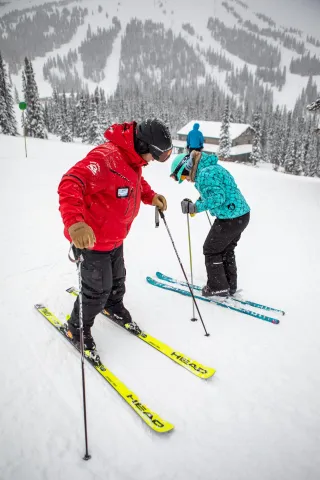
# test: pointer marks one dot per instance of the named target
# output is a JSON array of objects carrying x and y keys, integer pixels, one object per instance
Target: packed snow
[{"x": 257, "y": 418}]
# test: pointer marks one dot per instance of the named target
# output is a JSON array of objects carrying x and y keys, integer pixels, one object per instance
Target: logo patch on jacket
[
  {"x": 94, "y": 167},
  {"x": 122, "y": 192}
]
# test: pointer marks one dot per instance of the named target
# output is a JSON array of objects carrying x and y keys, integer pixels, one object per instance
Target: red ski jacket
[{"x": 105, "y": 189}]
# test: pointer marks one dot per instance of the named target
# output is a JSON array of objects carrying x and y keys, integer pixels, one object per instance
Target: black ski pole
[
  {"x": 78, "y": 262},
  {"x": 209, "y": 219},
  {"x": 193, "y": 319},
  {"x": 156, "y": 217},
  {"x": 184, "y": 273}
]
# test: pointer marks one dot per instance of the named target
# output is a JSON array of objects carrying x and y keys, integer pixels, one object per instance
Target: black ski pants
[
  {"x": 103, "y": 284},
  {"x": 218, "y": 250},
  {"x": 198, "y": 149}
]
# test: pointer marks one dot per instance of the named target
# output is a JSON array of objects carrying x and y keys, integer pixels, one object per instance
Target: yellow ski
[
  {"x": 152, "y": 419},
  {"x": 184, "y": 361},
  {"x": 191, "y": 365}
]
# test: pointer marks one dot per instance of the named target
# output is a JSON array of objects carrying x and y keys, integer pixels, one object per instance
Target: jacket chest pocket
[{"x": 122, "y": 191}]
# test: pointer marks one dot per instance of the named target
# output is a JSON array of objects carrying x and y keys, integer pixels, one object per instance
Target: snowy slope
[
  {"x": 258, "y": 418},
  {"x": 303, "y": 15}
]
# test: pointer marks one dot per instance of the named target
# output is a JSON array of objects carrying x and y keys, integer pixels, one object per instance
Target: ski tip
[
  {"x": 167, "y": 428},
  {"x": 72, "y": 290},
  {"x": 209, "y": 374},
  {"x": 39, "y": 306}
]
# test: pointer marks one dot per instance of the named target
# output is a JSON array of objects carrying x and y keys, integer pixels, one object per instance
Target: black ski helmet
[{"x": 153, "y": 137}]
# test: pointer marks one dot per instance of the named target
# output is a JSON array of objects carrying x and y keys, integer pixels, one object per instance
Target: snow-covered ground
[{"x": 257, "y": 418}]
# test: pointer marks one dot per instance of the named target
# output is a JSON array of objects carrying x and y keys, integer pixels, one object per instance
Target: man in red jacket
[{"x": 99, "y": 198}]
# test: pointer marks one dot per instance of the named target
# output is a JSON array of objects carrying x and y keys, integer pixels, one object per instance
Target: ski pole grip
[
  {"x": 161, "y": 214},
  {"x": 156, "y": 217},
  {"x": 77, "y": 254}
]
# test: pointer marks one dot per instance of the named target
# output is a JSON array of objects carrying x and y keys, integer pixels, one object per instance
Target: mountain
[
  {"x": 149, "y": 43},
  {"x": 257, "y": 418}
]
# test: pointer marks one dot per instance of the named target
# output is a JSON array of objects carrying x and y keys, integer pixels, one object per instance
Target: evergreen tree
[
  {"x": 83, "y": 118},
  {"x": 270, "y": 137},
  {"x": 66, "y": 120},
  {"x": 318, "y": 155},
  {"x": 35, "y": 126},
  {"x": 103, "y": 118},
  {"x": 256, "y": 143},
  {"x": 95, "y": 136},
  {"x": 72, "y": 114},
  {"x": 276, "y": 140},
  {"x": 66, "y": 134},
  {"x": 285, "y": 132},
  {"x": 23, "y": 116},
  {"x": 8, "y": 122},
  {"x": 56, "y": 113},
  {"x": 3, "y": 116},
  {"x": 291, "y": 155},
  {"x": 225, "y": 141},
  {"x": 311, "y": 157},
  {"x": 46, "y": 117},
  {"x": 59, "y": 123},
  {"x": 302, "y": 147}
]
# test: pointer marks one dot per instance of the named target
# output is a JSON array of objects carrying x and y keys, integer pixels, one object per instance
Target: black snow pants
[
  {"x": 198, "y": 149},
  {"x": 218, "y": 250},
  {"x": 103, "y": 284}
]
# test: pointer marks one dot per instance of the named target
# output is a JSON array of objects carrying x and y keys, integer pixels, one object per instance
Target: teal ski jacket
[{"x": 218, "y": 191}]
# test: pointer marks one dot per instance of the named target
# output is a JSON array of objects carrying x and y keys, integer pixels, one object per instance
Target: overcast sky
[{"x": 303, "y": 14}]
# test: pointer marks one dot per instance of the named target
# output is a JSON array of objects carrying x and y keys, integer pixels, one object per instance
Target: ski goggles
[
  {"x": 158, "y": 154},
  {"x": 184, "y": 161},
  {"x": 182, "y": 177},
  {"x": 175, "y": 172}
]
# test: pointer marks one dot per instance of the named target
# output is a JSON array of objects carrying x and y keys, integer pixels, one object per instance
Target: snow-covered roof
[
  {"x": 240, "y": 149},
  {"x": 212, "y": 129},
  {"x": 211, "y": 148}
]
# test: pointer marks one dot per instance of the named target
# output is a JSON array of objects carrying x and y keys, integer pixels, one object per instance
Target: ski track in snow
[{"x": 257, "y": 418}]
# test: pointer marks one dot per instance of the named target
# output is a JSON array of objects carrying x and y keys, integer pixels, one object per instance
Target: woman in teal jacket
[{"x": 219, "y": 195}]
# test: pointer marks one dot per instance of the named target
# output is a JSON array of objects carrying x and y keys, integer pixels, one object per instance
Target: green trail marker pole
[{"x": 23, "y": 106}]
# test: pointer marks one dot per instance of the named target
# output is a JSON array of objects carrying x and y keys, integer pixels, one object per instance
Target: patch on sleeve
[
  {"x": 94, "y": 167},
  {"x": 122, "y": 192}
]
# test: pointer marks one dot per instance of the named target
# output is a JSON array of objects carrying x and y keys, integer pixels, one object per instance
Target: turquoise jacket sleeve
[{"x": 212, "y": 194}]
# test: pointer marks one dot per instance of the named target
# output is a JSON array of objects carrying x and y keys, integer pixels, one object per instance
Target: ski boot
[
  {"x": 89, "y": 346},
  {"x": 120, "y": 315},
  {"x": 73, "y": 332},
  {"x": 209, "y": 292}
]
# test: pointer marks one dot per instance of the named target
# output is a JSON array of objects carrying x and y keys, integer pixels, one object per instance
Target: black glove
[{"x": 187, "y": 206}]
